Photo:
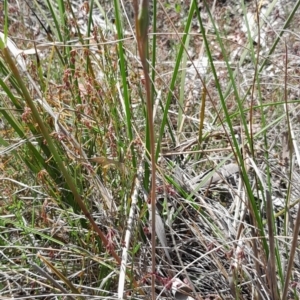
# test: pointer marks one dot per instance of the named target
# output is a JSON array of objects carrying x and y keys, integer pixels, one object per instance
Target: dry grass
[{"x": 227, "y": 174}]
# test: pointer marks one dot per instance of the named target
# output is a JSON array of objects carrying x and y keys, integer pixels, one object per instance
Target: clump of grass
[{"x": 86, "y": 162}]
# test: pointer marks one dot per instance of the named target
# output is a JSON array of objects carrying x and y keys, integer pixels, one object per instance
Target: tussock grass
[{"x": 85, "y": 161}]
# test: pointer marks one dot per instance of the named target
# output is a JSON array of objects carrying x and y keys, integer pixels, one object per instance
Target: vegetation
[{"x": 102, "y": 124}]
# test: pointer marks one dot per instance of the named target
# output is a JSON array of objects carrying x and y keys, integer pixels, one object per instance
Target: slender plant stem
[{"x": 142, "y": 24}]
